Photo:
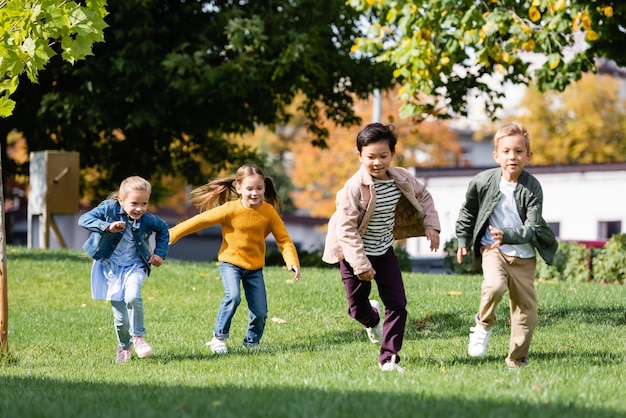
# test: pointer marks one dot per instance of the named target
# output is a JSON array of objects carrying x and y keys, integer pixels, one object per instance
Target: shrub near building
[
  {"x": 580, "y": 263},
  {"x": 574, "y": 262},
  {"x": 609, "y": 262}
]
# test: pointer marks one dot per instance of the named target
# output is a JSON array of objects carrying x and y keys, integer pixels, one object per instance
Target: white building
[{"x": 581, "y": 202}]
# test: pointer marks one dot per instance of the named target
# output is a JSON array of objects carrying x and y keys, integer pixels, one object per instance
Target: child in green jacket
[{"x": 502, "y": 216}]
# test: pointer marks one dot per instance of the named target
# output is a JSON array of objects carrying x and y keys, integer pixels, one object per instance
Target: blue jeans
[
  {"x": 254, "y": 288},
  {"x": 128, "y": 313}
]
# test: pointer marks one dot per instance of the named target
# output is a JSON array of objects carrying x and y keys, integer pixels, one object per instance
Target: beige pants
[{"x": 517, "y": 274}]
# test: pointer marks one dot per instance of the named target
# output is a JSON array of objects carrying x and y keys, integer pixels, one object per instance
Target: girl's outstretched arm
[{"x": 295, "y": 269}]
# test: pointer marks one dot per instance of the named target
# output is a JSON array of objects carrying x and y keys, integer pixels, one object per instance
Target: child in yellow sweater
[{"x": 245, "y": 223}]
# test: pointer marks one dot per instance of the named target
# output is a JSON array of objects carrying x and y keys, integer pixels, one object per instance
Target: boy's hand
[
  {"x": 367, "y": 275},
  {"x": 432, "y": 235},
  {"x": 497, "y": 237},
  {"x": 155, "y": 260},
  {"x": 460, "y": 253}
]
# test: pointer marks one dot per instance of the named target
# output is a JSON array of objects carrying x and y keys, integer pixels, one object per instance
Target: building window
[
  {"x": 555, "y": 227},
  {"x": 606, "y": 229}
]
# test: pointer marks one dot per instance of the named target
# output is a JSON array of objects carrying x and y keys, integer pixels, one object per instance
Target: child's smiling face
[
  {"x": 252, "y": 191},
  {"x": 135, "y": 203},
  {"x": 376, "y": 158}
]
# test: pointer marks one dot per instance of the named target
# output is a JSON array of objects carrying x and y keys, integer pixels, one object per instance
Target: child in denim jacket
[{"x": 119, "y": 244}]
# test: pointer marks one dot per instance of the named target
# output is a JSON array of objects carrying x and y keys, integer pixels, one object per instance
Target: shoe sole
[
  {"x": 218, "y": 350},
  {"x": 144, "y": 355}
]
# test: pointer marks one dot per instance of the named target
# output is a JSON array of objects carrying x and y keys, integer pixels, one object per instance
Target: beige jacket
[{"x": 355, "y": 204}]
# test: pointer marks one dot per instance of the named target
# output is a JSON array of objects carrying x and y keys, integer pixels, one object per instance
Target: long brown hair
[{"x": 222, "y": 190}]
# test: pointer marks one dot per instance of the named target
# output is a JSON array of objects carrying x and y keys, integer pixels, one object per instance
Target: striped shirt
[{"x": 378, "y": 236}]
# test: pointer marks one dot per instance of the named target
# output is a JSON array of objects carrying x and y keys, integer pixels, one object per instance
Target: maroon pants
[{"x": 391, "y": 290}]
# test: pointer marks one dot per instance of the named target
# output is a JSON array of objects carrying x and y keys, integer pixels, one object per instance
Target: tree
[
  {"x": 32, "y": 32},
  {"x": 29, "y": 33},
  {"x": 175, "y": 81},
  {"x": 585, "y": 124},
  {"x": 319, "y": 173},
  {"x": 443, "y": 51}
]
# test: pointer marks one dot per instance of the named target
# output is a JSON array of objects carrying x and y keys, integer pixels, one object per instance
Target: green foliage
[
  {"x": 404, "y": 259},
  {"x": 313, "y": 258},
  {"x": 609, "y": 263},
  {"x": 571, "y": 264},
  {"x": 468, "y": 266},
  {"x": 33, "y": 32},
  {"x": 177, "y": 80},
  {"x": 316, "y": 362},
  {"x": 447, "y": 48},
  {"x": 567, "y": 130},
  {"x": 308, "y": 259}
]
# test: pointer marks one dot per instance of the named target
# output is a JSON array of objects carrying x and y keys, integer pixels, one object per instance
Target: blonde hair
[
  {"x": 129, "y": 184},
  {"x": 222, "y": 190},
  {"x": 511, "y": 129}
]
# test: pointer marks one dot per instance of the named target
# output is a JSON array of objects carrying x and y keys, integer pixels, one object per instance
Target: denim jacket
[
  {"x": 101, "y": 242},
  {"x": 483, "y": 194}
]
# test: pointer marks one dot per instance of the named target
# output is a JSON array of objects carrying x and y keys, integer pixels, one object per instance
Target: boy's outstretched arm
[{"x": 460, "y": 253}]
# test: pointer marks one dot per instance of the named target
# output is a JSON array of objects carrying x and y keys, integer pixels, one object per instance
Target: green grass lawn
[{"x": 314, "y": 361}]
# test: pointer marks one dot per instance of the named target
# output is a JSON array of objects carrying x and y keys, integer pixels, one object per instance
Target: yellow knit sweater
[{"x": 243, "y": 233}]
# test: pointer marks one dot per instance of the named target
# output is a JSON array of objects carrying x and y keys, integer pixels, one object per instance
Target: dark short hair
[{"x": 376, "y": 132}]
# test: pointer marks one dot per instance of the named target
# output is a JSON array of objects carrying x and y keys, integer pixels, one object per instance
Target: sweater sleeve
[
  {"x": 283, "y": 240},
  {"x": 194, "y": 224}
]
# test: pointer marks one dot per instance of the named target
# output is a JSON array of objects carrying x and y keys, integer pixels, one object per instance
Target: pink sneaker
[
  {"x": 142, "y": 348},
  {"x": 123, "y": 355}
]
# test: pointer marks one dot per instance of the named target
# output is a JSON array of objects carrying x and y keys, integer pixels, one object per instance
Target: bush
[
  {"x": 404, "y": 259},
  {"x": 571, "y": 264},
  {"x": 609, "y": 263},
  {"x": 449, "y": 259},
  {"x": 313, "y": 258}
]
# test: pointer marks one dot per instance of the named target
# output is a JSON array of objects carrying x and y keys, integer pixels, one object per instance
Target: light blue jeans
[
  {"x": 254, "y": 287},
  {"x": 128, "y": 313}
]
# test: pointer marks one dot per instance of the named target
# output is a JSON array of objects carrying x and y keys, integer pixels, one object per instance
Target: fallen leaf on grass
[
  {"x": 279, "y": 320},
  {"x": 420, "y": 325},
  {"x": 455, "y": 293}
]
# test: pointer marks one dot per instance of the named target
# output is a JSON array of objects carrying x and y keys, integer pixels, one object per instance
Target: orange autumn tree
[
  {"x": 586, "y": 124},
  {"x": 318, "y": 173}
]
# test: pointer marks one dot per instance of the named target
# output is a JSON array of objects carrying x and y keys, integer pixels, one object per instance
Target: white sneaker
[
  {"x": 479, "y": 337},
  {"x": 391, "y": 366},
  {"x": 376, "y": 333},
  {"x": 218, "y": 346}
]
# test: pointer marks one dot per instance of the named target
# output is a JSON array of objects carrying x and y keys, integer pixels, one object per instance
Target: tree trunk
[{"x": 4, "y": 303}]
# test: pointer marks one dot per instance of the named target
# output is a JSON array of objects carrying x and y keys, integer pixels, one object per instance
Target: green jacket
[{"x": 483, "y": 194}]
